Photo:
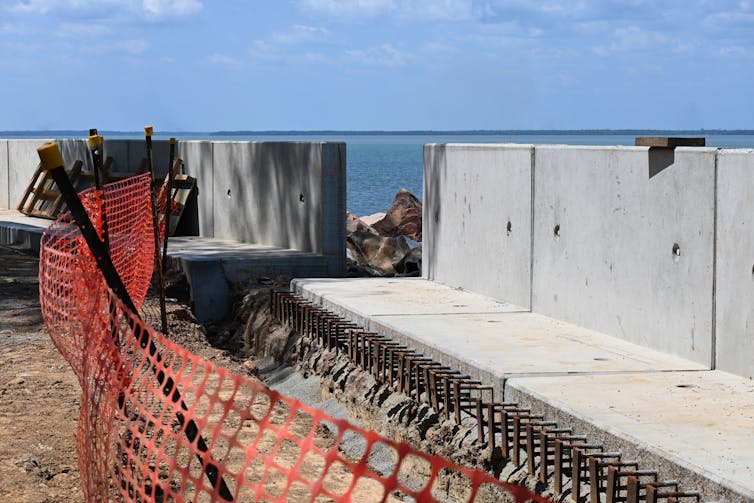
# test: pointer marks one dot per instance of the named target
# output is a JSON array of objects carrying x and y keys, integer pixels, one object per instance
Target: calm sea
[{"x": 379, "y": 165}]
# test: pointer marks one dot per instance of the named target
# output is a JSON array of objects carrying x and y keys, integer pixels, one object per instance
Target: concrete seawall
[
  {"x": 282, "y": 194},
  {"x": 653, "y": 246}
]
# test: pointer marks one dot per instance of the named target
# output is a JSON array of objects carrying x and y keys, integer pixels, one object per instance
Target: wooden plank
[
  {"x": 29, "y": 188},
  {"x": 669, "y": 141}
]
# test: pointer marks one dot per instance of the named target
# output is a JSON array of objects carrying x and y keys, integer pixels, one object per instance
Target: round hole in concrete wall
[
  {"x": 301, "y": 197},
  {"x": 676, "y": 250},
  {"x": 556, "y": 231},
  {"x": 228, "y": 194},
  {"x": 509, "y": 228}
]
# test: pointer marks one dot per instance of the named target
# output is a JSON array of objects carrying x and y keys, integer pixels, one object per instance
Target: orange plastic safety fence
[{"x": 159, "y": 423}]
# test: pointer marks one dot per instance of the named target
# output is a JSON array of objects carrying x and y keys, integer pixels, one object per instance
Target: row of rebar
[{"x": 552, "y": 454}]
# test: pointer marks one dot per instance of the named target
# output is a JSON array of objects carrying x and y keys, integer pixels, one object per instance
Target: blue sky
[{"x": 201, "y": 65}]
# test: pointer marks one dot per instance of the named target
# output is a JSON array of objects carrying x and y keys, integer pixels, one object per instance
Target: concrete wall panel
[
  {"x": 4, "y": 196},
  {"x": 197, "y": 162},
  {"x": 137, "y": 151},
  {"x": 477, "y": 202},
  {"x": 333, "y": 207},
  {"x": 75, "y": 150},
  {"x": 735, "y": 262},
  {"x": 22, "y": 161},
  {"x": 271, "y": 193},
  {"x": 611, "y": 265},
  {"x": 118, "y": 150}
]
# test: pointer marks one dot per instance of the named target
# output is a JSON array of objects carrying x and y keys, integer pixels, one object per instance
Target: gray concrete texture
[
  {"x": 611, "y": 265},
  {"x": 287, "y": 195},
  {"x": 734, "y": 286},
  {"x": 4, "y": 195},
  {"x": 477, "y": 201},
  {"x": 635, "y": 254}
]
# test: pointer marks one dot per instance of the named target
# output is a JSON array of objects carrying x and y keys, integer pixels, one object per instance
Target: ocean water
[{"x": 380, "y": 164}]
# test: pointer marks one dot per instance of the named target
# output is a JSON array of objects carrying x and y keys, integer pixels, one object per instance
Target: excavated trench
[{"x": 296, "y": 366}]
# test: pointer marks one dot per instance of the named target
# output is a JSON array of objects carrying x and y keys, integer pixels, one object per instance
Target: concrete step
[{"x": 673, "y": 415}]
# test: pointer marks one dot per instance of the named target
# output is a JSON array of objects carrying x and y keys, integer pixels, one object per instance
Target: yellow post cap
[
  {"x": 93, "y": 141},
  {"x": 148, "y": 131},
  {"x": 50, "y": 156},
  {"x": 172, "y": 141},
  {"x": 100, "y": 140}
]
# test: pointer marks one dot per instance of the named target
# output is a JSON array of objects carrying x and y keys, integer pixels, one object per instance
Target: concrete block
[
  {"x": 623, "y": 243},
  {"x": 477, "y": 201},
  {"x": 118, "y": 150},
  {"x": 197, "y": 161},
  {"x": 22, "y": 161},
  {"x": 269, "y": 193},
  {"x": 333, "y": 187},
  {"x": 211, "y": 299},
  {"x": 75, "y": 150},
  {"x": 137, "y": 150},
  {"x": 4, "y": 199},
  {"x": 734, "y": 290}
]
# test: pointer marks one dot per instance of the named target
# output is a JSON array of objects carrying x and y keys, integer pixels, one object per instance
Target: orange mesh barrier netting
[{"x": 158, "y": 423}]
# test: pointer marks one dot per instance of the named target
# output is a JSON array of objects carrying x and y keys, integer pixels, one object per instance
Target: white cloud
[
  {"x": 104, "y": 9},
  {"x": 81, "y": 30},
  {"x": 135, "y": 46},
  {"x": 384, "y": 55},
  {"x": 348, "y": 9},
  {"x": 224, "y": 60},
  {"x": 451, "y": 10},
  {"x": 163, "y": 8},
  {"x": 300, "y": 34}
]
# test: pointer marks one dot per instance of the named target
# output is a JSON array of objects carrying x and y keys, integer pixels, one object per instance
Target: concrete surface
[
  {"x": 22, "y": 161},
  {"x": 4, "y": 196},
  {"x": 734, "y": 287},
  {"x": 197, "y": 160},
  {"x": 669, "y": 413},
  {"x": 212, "y": 266},
  {"x": 489, "y": 340},
  {"x": 612, "y": 266},
  {"x": 478, "y": 217},
  {"x": 692, "y": 426}
]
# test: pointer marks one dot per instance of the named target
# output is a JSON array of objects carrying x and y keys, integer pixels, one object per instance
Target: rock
[
  {"x": 403, "y": 218},
  {"x": 373, "y": 218},
  {"x": 17, "y": 381},
  {"x": 411, "y": 265},
  {"x": 380, "y": 254},
  {"x": 355, "y": 224}
]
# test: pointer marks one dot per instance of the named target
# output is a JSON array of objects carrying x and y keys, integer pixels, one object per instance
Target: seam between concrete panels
[
  {"x": 7, "y": 173},
  {"x": 531, "y": 231},
  {"x": 713, "y": 355}
]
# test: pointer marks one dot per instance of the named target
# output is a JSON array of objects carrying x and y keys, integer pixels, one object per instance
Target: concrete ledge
[
  {"x": 673, "y": 415},
  {"x": 690, "y": 426},
  {"x": 212, "y": 266}
]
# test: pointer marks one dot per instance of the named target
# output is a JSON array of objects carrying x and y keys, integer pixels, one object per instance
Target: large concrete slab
[
  {"x": 118, "y": 150},
  {"x": 486, "y": 339},
  {"x": 197, "y": 160},
  {"x": 734, "y": 288},
  {"x": 633, "y": 253},
  {"x": 478, "y": 216},
  {"x": 137, "y": 151},
  {"x": 17, "y": 228},
  {"x": 691, "y": 426},
  {"x": 212, "y": 266},
  {"x": 4, "y": 196}
]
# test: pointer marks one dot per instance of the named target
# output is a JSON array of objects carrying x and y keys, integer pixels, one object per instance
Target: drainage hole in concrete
[
  {"x": 676, "y": 250},
  {"x": 228, "y": 192},
  {"x": 556, "y": 231},
  {"x": 301, "y": 197},
  {"x": 509, "y": 228},
  {"x": 685, "y": 386}
]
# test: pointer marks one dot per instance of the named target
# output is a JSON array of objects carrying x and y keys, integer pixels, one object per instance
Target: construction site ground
[{"x": 40, "y": 396}]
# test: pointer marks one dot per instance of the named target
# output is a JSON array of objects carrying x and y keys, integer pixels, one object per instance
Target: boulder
[
  {"x": 373, "y": 218},
  {"x": 403, "y": 218},
  {"x": 356, "y": 224},
  {"x": 374, "y": 255}
]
